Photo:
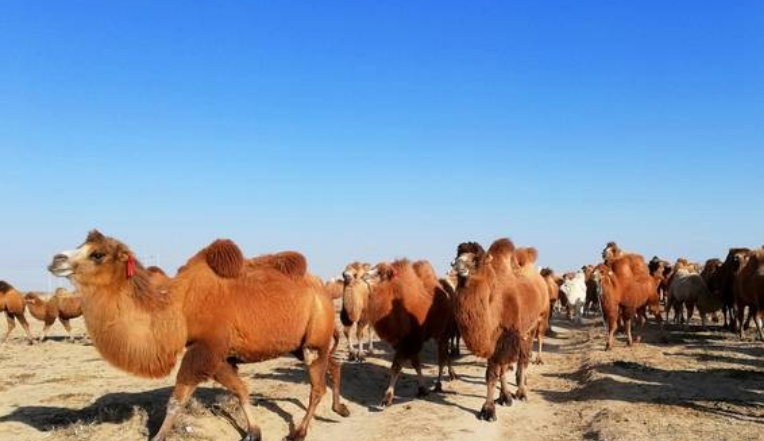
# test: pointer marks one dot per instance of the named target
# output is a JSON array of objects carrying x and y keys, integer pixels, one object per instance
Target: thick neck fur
[
  {"x": 476, "y": 312},
  {"x": 135, "y": 327}
]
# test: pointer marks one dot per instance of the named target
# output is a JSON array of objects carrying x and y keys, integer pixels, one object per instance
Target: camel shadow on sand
[{"x": 118, "y": 408}]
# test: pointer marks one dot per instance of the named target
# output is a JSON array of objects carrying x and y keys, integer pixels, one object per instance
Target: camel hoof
[
  {"x": 422, "y": 392},
  {"x": 254, "y": 435},
  {"x": 438, "y": 387},
  {"x": 360, "y": 357},
  {"x": 297, "y": 435},
  {"x": 352, "y": 356},
  {"x": 487, "y": 413},
  {"x": 452, "y": 376},
  {"x": 387, "y": 401},
  {"x": 341, "y": 410},
  {"x": 538, "y": 361},
  {"x": 505, "y": 400},
  {"x": 521, "y": 395}
]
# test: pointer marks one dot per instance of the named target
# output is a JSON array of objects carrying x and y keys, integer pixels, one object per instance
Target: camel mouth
[{"x": 60, "y": 272}]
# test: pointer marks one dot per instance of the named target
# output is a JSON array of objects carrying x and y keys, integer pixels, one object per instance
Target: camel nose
[{"x": 60, "y": 258}]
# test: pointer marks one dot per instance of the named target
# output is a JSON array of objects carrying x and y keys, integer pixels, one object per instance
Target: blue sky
[{"x": 374, "y": 130}]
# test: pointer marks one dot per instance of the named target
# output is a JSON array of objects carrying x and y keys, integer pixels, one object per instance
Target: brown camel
[
  {"x": 355, "y": 301},
  {"x": 407, "y": 309},
  {"x": 498, "y": 314},
  {"x": 12, "y": 303},
  {"x": 62, "y": 306},
  {"x": 222, "y": 310},
  {"x": 749, "y": 288},
  {"x": 626, "y": 287}
]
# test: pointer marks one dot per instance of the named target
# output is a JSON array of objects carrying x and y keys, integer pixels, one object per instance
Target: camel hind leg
[
  {"x": 25, "y": 326},
  {"x": 335, "y": 376},
  {"x": 417, "y": 365},
  {"x": 317, "y": 361},
  {"x": 11, "y": 324},
  {"x": 228, "y": 376},
  {"x": 67, "y": 327}
]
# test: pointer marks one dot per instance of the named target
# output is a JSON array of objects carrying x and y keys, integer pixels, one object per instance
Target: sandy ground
[{"x": 705, "y": 385}]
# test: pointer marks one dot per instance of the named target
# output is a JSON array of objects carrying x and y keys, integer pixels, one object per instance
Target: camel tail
[{"x": 224, "y": 258}]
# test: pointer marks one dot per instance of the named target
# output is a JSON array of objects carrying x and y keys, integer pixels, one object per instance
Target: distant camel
[{"x": 12, "y": 303}]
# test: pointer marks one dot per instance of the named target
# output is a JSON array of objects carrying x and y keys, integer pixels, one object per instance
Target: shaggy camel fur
[
  {"x": 407, "y": 309},
  {"x": 626, "y": 287},
  {"x": 525, "y": 261},
  {"x": 749, "y": 288},
  {"x": 498, "y": 313},
  {"x": 222, "y": 310},
  {"x": 62, "y": 306},
  {"x": 355, "y": 301},
  {"x": 12, "y": 303}
]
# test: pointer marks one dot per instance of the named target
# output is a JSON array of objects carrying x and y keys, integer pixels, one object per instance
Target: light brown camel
[
  {"x": 498, "y": 315},
  {"x": 12, "y": 303},
  {"x": 334, "y": 288},
  {"x": 354, "y": 314},
  {"x": 538, "y": 299},
  {"x": 222, "y": 310},
  {"x": 406, "y": 312},
  {"x": 62, "y": 306}
]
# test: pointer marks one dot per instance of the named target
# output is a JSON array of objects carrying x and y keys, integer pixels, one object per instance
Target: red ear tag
[{"x": 130, "y": 266}]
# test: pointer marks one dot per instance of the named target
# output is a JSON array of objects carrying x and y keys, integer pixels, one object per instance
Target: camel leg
[
  {"x": 371, "y": 340},
  {"x": 444, "y": 359},
  {"x": 521, "y": 378},
  {"x": 25, "y": 326},
  {"x": 417, "y": 365},
  {"x": 45, "y": 331},
  {"x": 505, "y": 399},
  {"x": 395, "y": 372},
  {"x": 492, "y": 373},
  {"x": 335, "y": 376},
  {"x": 11, "y": 325},
  {"x": 611, "y": 328},
  {"x": 757, "y": 321},
  {"x": 629, "y": 339},
  {"x": 178, "y": 400},
  {"x": 67, "y": 327},
  {"x": 198, "y": 364},
  {"x": 228, "y": 376},
  {"x": 351, "y": 351},
  {"x": 540, "y": 338},
  {"x": 359, "y": 338},
  {"x": 317, "y": 376},
  {"x": 740, "y": 319}
]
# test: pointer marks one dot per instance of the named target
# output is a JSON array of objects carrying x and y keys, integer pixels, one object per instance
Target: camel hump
[
  {"x": 526, "y": 256},
  {"x": 501, "y": 247},
  {"x": 155, "y": 270},
  {"x": 5, "y": 287},
  {"x": 291, "y": 263},
  {"x": 224, "y": 258}
]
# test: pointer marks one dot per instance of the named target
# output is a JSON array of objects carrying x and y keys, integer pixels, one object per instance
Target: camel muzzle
[{"x": 60, "y": 266}]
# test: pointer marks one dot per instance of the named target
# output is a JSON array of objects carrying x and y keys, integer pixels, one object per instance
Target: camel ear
[{"x": 94, "y": 236}]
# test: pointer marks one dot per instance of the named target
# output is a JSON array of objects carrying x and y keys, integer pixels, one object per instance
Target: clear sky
[{"x": 374, "y": 130}]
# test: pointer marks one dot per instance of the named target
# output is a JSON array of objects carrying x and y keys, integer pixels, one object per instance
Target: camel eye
[{"x": 97, "y": 256}]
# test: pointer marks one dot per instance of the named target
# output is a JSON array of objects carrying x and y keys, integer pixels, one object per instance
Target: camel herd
[{"x": 222, "y": 309}]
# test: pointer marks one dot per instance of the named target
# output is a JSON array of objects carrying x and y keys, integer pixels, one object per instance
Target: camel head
[
  {"x": 100, "y": 261},
  {"x": 611, "y": 251}
]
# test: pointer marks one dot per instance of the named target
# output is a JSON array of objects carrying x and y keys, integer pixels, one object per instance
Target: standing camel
[
  {"x": 12, "y": 303},
  {"x": 222, "y": 310},
  {"x": 355, "y": 303}
]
